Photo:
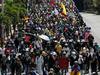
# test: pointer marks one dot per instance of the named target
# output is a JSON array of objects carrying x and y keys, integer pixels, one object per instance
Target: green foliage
[
  {"x": 1, "y": 17},
  {"x": 14, "y": 10},
  {"x": 96, "y": 4},
  {"x": 5, "y": 19}
]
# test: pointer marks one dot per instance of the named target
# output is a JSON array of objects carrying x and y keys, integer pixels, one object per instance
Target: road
[{"x": 93, "y": 21}]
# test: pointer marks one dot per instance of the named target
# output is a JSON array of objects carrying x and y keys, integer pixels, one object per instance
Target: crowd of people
[{"x": 66, "y": 43}]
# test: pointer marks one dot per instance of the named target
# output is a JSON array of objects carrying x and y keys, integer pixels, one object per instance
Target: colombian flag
[
  {"x": 64, "y": 12},
  {"x": 75, "y": 73}
]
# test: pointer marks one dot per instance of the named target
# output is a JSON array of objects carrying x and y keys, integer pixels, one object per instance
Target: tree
[
  {"x": 14, "y": 10},
  {"x": 4, "y": 26},
  {"x": 96, "y": 4}
]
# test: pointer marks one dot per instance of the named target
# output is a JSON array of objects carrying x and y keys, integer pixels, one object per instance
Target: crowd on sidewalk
[{"x": 65, "y": 41}]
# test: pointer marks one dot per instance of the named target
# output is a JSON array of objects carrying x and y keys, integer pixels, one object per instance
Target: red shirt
[
  {"x": 7, "y": 51},
  {"x": 27, "y": 38},
  {"x": 65, "y": 30},
  {"x": 63, "y": 63},
  {"x": 30, "y": 46}
]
